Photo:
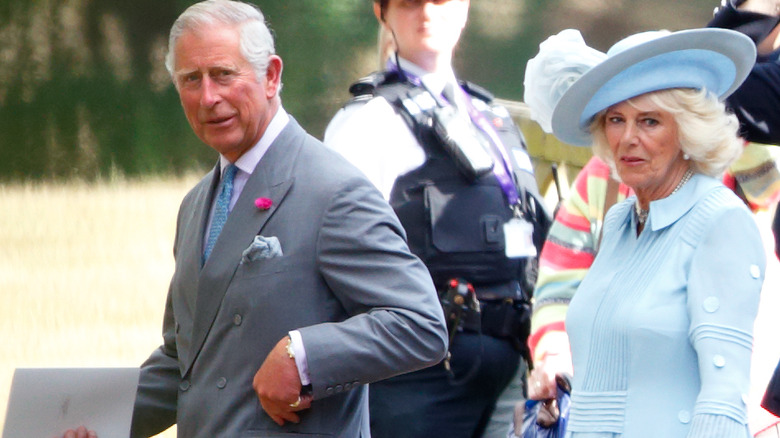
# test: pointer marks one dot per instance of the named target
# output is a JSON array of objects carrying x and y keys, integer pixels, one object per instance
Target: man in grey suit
[{"x": 278, "y": 319}]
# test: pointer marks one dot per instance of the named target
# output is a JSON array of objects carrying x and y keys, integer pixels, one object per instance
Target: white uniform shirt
[{"x": 376, "y": 139}]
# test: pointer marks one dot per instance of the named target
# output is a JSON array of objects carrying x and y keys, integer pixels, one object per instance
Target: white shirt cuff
[{"x": 296, "y": 342}]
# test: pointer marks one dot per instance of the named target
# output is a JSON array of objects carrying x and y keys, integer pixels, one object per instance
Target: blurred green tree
[{"x": 84, "y": 92}]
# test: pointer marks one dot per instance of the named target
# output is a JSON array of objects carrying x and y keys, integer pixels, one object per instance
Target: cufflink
[{"x": 290, "y": 351}]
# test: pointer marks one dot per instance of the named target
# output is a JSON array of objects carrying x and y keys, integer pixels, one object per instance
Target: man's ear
[{"x": 273, "y": 76}]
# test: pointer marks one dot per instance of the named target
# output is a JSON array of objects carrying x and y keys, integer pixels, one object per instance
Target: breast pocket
[
  {"x": 262, "y": 267},
  {"x": 467, "y": 218}
]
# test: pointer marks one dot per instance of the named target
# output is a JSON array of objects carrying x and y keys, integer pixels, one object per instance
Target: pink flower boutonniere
[{"x": 263, "y": 203}]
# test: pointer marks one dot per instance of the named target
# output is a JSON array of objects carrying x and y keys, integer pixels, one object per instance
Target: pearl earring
[{"x": 686, "y": 157}]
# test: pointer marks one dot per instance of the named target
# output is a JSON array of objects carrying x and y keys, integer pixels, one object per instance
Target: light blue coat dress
[{"x": 661, "y": 327}]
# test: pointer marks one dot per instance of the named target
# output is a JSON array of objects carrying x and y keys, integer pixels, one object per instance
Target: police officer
[{"x": 456, "y": 171}]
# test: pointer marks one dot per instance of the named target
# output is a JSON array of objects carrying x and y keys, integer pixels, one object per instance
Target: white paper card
[
  {"x": 519, "y": 235},
  {"x": 45, "y": 402}
]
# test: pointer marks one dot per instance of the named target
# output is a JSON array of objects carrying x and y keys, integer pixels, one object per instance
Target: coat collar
[{"x": 665, "y": 212}]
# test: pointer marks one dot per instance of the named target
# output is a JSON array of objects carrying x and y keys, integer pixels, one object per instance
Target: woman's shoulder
[
  {"x": 719, "y": 210},
  {"x": 715, "y": 199}
]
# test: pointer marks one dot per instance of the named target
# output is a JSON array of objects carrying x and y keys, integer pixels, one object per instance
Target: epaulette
[
  {"x": 477, "y": 91},
  {"x": 366, "y": 86}
]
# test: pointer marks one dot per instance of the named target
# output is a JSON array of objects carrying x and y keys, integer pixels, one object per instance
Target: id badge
[{"x": 519, "y": 235}]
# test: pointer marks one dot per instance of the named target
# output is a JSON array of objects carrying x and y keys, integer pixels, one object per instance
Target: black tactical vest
[{"x": 455, "y": 225}]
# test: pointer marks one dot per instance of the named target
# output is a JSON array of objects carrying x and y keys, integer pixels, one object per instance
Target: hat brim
[{"x": 718, "y": 60}]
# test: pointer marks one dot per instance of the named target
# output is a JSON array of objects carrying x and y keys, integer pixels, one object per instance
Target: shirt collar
[
  {"x": 434, "y": 82},
  {"x": 664, "y": 212},
  {"x": 248, "y": 161}
]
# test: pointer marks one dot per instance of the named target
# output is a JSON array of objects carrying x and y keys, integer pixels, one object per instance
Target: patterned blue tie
[{"x": 221, "y": 209}]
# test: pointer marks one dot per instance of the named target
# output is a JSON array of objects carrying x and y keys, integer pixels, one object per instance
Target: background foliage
[{"x": 84, "y": 94}]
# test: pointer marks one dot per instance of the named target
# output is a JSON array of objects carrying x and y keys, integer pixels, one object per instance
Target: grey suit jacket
[{"x": 365, "y": 306}]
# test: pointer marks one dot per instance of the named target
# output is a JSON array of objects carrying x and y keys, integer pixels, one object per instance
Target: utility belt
[{"x": 503, "y": 318}]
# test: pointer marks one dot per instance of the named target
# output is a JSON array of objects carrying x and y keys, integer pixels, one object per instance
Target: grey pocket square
[{"x": 262, "y": 248}]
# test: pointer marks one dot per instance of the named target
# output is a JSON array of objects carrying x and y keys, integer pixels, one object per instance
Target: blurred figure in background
[{"x": 456, "y": 171}]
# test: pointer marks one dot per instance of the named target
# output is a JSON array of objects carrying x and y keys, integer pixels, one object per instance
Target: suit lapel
[
  {"x": 272, "y": 178},
  {"x": 189, "y": 249}
]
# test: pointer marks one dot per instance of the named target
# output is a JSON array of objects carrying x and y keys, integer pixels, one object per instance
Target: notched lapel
[
  {"x": 244, "y": 223},
  {"x": 273, "y": 179}
]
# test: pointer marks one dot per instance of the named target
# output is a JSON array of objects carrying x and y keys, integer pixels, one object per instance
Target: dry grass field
[{"x": 84, "y": 271}]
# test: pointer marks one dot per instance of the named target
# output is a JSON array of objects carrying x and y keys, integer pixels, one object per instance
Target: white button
[
  {"x": 711, "y": 304},
  {"x": 719, "y": 361},
  {"x": 684, "y": 417},
  {"x": 755, "y": 271}
]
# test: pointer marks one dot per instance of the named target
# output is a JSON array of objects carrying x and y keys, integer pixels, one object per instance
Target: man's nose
[{"x": 209, "y": 93}]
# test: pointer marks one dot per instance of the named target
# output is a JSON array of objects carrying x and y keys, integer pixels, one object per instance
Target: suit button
[
  {"x": 221, "y": 383},
  {"x": 684, "y": 417},
  {"x": 184, "y": 385},
  {"x": 237, "y": 319},
  {"x": 329, "y": 390},
  {"x": 719, "y": 361},
  {"x": 711, "y": 304},
  {"x": 339, "y": 388},
  {"x": 347, "y": 386}
]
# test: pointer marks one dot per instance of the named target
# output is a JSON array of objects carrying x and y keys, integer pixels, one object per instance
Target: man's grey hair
[{"x": 257, "y": 43}]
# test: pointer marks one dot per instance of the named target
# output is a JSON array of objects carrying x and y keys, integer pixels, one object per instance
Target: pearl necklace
[{"x": 641, "y": 214}]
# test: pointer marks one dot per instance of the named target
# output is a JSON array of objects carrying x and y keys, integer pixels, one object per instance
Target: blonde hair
[{"x": 708, "y": 134}]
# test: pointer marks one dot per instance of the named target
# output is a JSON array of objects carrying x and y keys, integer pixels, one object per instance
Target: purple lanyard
[{"x": 499, "y": 153}]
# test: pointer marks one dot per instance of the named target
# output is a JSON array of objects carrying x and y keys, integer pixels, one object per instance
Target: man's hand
[
  {"x": 81, "y": 432},
  {"x": 278, "y": 386}
]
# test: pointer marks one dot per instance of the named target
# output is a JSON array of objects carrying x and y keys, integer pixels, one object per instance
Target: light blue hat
[{"x": 717, "y": 60}]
